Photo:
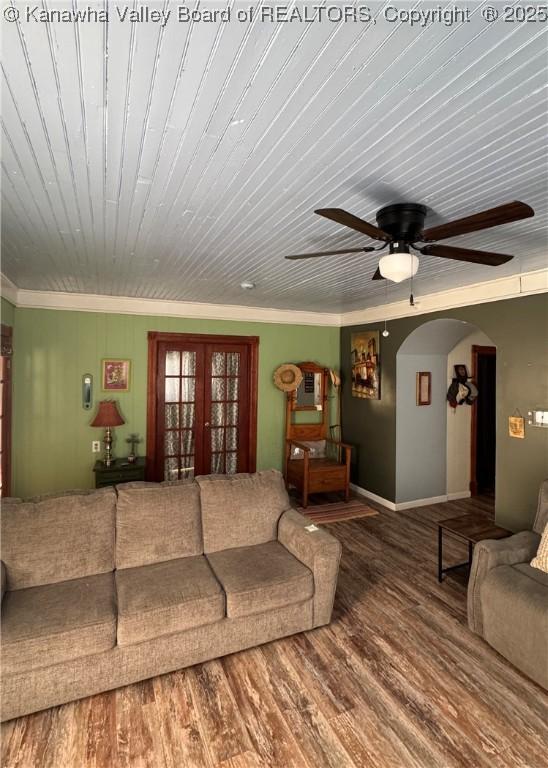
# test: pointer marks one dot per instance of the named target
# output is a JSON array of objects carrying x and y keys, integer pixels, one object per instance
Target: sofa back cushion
[
  {"x": 156, "y": 523},
  {"x": 241, "y": 510},
  {"x": 58, "y": 537},
  {"x": 541, "y": 518}
]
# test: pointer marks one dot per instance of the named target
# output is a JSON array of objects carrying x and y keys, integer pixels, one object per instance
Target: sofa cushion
[
  {"x": 168, "y": 597},
  {"x": 533, "y": 573},
  {"x": 155, "y": 523},
  {"x": 60, "y": 538},
  {"x": 261, "y": 578},
  {"x": 515, "y": 617},
  {"x": 241, "y": 510},
  {"x": 54, "y": 623}
]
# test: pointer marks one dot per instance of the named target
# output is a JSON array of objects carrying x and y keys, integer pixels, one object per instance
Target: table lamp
[{"x": 107, "y": 416}]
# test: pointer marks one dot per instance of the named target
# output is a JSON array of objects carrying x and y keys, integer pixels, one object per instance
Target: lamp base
[{"x": 108, "y": 447}]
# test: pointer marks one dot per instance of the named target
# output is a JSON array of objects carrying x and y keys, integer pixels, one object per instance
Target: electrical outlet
[{"x": 96, "y": 446}]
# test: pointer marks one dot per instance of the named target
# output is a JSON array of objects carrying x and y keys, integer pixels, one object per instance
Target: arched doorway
[{"x": 434, "y": 442}]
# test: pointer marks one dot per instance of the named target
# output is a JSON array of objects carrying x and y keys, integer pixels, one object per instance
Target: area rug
[{"x": 334, "y": 512}]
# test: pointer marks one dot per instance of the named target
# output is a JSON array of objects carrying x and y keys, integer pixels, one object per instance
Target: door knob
[{"x": 206, "y": 424}]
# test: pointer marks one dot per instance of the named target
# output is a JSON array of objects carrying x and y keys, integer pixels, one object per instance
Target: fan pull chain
[
  {"x": 411, "y": 297},
  {"x": 386, "y": 332}
]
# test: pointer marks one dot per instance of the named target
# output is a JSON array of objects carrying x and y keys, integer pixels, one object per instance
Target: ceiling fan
[{"x": 401, "y": 227}]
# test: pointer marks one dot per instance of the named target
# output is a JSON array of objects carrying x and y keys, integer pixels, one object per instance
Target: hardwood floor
[{"x": 396, "y": 681}]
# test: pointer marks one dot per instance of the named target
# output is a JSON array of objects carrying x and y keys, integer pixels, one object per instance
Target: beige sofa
[
  {"x": 104, "y": 588},
  {"x": 508, "y": 599}
]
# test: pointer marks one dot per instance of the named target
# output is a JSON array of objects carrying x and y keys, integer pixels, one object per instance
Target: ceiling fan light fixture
[{"x": 399, "y": 264}]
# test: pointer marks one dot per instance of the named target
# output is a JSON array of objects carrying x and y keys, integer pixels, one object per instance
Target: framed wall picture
[
  {"x": 424, "y": 388},
  {"x": 366, "y": 371},
  {"x": 516, "y": 427},
  {"x": 115, "y": 375}
]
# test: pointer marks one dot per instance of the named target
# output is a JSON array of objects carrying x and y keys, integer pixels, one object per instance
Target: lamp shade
[
  {"x": 107, "y": 415},
  {"x": 398, "y": 266}
]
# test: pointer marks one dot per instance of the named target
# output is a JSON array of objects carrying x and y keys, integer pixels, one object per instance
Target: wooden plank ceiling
[{"x": 176, "y": 161}]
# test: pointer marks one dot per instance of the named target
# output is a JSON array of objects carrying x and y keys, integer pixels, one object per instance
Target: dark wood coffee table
[{"x": 471, "y": 528}]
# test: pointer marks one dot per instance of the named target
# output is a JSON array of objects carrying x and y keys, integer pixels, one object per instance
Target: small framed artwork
[
  {"x": 115, "y": 375},
  {"x": 461, "y": 372},
  {"x": 516, "y": 427},
  {"x": 424, "y": 388}
]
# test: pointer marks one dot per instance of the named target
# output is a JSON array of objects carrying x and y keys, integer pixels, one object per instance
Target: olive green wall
[
  {"x": 52, "y": 436},
  {"x": 7, "y": 312},
  {"x": 519, "y": 328}
]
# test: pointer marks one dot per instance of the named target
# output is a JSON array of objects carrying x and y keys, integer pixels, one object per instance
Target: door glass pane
[
  {"x": 172, "y": 444},
  {"x": 189, "y": 364},
  {"x": 231, "y": 463},
  {"x": 171, "y": 469},
  {"x": 187, "y": 442},
  {"x": 231, "y": 439},
  {"x": 217, "y": 389},
  {"x": 217, "y": 414},
  {"x": 187, "y": 467},
  {"x": 233, "y": 364},
  {"x": 173, "y": 362},
  {"x": 187, "y": 415},
  {"x": 172, "y": 416},
  {"x": 233, "y": 386},
  {"x": 187, "y": 390},
  {"x": 217, "y": 439},
  {"x": 172, "y": 390},
  {"x": 218, "y": 364},
  {"x": 217, "y": 463},
  {"x": 232, "y": 413}
]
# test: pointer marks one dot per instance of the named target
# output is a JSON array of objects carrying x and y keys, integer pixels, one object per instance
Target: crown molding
[
  {"x": 492, "y": 290},
  {"x": 8, "y": 289},
  {"x": 478, "y": 293},
  {"x": 87, "y": 302}
]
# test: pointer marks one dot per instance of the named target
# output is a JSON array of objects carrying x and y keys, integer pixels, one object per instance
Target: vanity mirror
[{"x": 310, "y": 395}]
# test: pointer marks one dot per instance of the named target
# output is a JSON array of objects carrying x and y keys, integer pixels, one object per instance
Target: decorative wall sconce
[{"x": 87, "y": 391}]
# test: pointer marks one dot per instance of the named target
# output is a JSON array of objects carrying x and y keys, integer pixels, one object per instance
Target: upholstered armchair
[{"x": 508, "y": 598}]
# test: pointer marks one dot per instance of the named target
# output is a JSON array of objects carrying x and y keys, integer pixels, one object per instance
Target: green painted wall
[
  {"x": 52, "y": 436},
  {"x": 519, "y": 328},
  {"x": 7, "y": 312}
]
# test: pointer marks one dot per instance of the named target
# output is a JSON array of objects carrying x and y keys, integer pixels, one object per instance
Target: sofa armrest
[
  {"x": 320, "y": 552},
  {"x": 519, "y": 548},
  {"x": 4, "y": 578}
]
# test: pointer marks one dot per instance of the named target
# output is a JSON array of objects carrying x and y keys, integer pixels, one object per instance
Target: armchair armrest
[
  {"x": 519, "y": 548},
  {"x": 347, "y": 448},
  {"x": 4, "y": 578},
  {"x": 320, "y": 552},
  {"x": 338, "y": 442}
]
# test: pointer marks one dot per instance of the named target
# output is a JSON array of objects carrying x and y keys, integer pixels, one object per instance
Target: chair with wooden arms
[{"x": 314, "y": 462}]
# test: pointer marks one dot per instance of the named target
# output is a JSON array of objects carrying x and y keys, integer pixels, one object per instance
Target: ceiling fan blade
[
  {"x": 465, "y": 254},
  {"x": 328, "y": 253},
  {"x": 502, "y": 214},
  {"x": 377, "y": 275},
  {"x": 349, "y": 220}
]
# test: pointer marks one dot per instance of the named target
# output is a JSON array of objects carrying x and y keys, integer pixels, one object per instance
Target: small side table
[
  {"x": 471, "y": 528},
  {"x": 120, "y": 471}
]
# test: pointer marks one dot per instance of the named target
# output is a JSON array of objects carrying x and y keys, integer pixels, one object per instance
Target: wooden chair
[{"x": 308, "y": 466}]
